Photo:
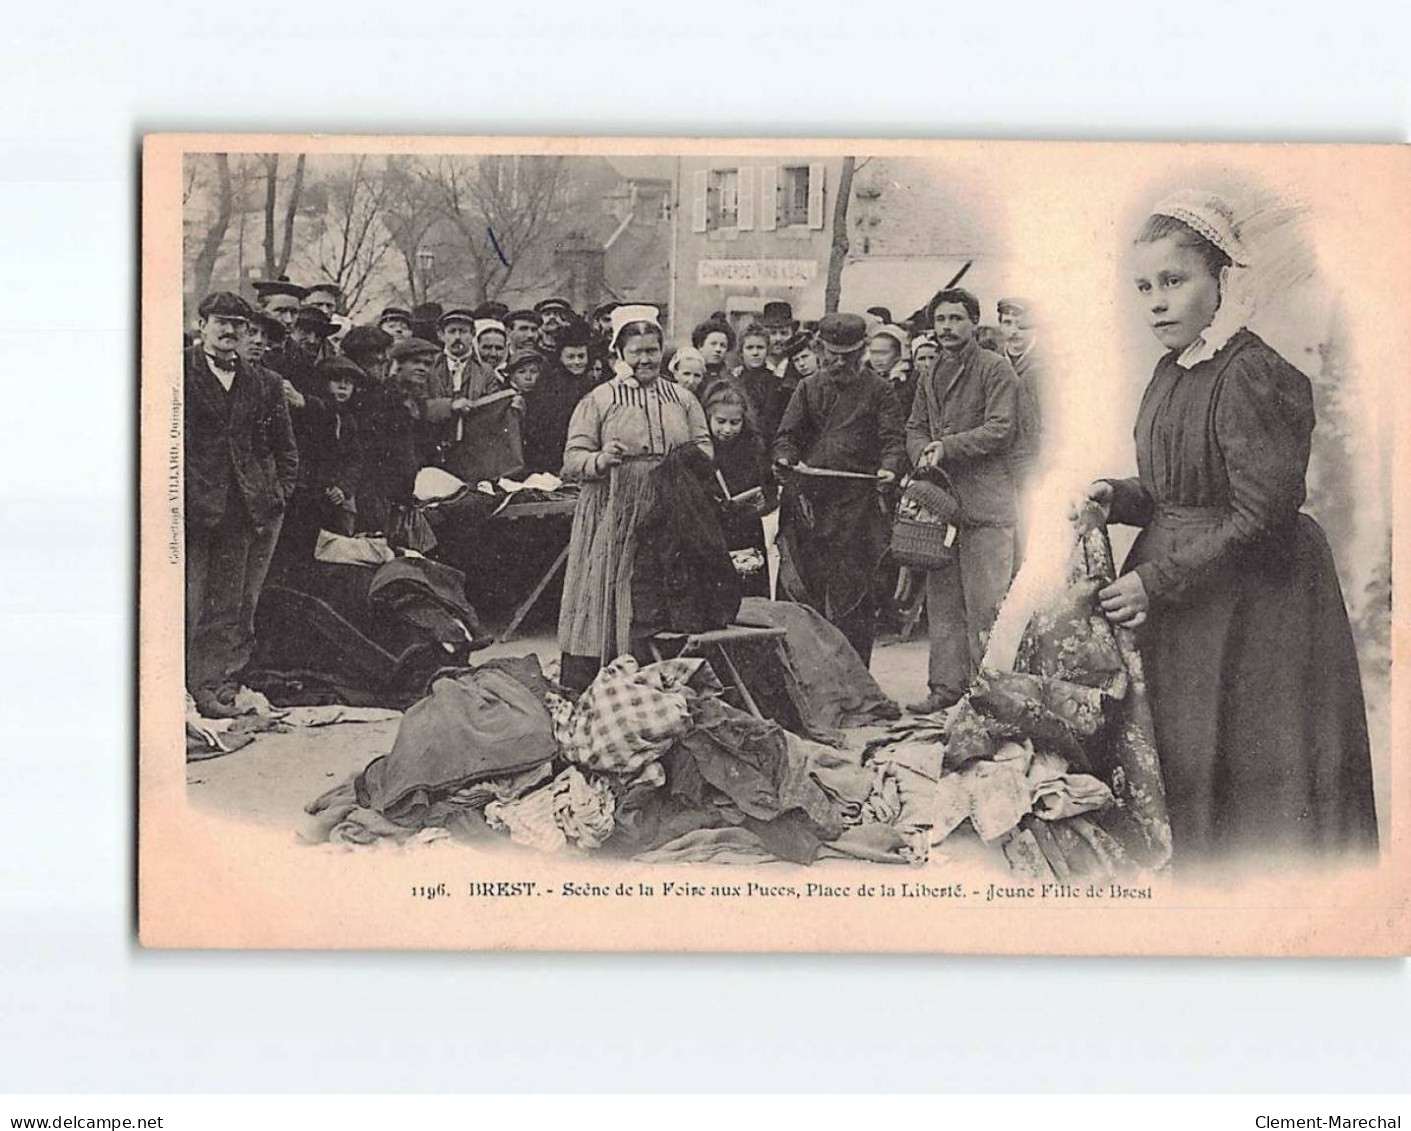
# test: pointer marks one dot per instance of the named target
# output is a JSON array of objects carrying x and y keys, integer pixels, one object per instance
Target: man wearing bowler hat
[
  {"x": 833, "y": 530},
  {"x": 426, "y": 317},
  {"x": 777, "y": 317},
  {"x": 963, "y": 421},
  {"x": 240, "y": 467},
  {"x": 280, "y": 299},
  {"x": 306, "y": 347}
]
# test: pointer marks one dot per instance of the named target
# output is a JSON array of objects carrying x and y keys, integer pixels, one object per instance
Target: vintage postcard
[{"x": 853, "y": 545}]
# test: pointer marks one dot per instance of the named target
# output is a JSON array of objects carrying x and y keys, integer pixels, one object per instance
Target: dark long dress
[{"x": 1259, "y": 716}]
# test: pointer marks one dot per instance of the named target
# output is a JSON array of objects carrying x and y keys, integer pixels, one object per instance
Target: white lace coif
[{"x": 1209, "y": 216}]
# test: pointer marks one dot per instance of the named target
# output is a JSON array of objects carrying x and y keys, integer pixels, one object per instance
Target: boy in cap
[
  {"x": 833, "y": 531},
  {"x": 240, "y": 467},
  {"x": 538, "y": 421},
  {"x": 389, "y": 415},
  {"x": 334, "y": 452},
  {"x": 396, "y": 321},
  {"x": 963, "y": 421}
]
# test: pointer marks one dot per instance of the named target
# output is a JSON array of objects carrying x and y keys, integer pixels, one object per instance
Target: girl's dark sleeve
[
  {"x": 892, "y": 426},
  {"x": 1264, "y": 429},
  {"x": 1131, "y": 503}
]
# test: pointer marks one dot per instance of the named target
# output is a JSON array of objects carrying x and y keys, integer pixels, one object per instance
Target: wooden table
[
  {"x": 721, "y": 640},
  {"x": 517, "y": 512}
]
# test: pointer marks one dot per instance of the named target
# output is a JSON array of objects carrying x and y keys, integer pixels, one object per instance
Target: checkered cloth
[{"x": 628, "y": 717}]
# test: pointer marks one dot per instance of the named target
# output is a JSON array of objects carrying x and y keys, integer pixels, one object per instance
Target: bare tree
[
  {"x": 838, "y": 252},
  {"x": 353, "y": 238},
  {"x": 500, "y": 208},
  {"x": 409, "y": 214},
  {"x": 276, "y": 265},
  {"x": 205, "y": 264}
]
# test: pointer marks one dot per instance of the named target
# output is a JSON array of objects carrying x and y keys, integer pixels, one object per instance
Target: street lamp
[{"x": 425, "y": 261}]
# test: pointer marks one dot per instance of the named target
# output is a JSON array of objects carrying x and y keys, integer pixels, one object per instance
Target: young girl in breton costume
[
  {"x": 1260, "y": 724},
  {"x": 742, "y": 462},
  {"x": 619, "y": 432}
]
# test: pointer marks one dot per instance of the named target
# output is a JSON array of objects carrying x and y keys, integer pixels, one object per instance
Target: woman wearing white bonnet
[
  {"x": 1260, "y": 723},
  {"x": 620, "y": 431}
]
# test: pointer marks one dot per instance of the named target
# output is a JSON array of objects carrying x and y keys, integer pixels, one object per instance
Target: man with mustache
[
  {"x": 964, "y": 421},
  {"x": 240, "y": 467}
]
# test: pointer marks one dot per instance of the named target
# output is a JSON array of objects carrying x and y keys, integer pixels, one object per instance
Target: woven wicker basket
[{"x": 924, "y": 531}]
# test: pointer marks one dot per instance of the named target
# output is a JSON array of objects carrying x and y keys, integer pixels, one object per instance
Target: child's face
[
  {"x": 882, "y": 352},
  {"x": 690, "y": 374},
  {"x": 753, "y": 351},
  {"x": 525, "y": 378},
  {"x": 806, "y": 362},
  {"x": 726, "y": 420},
  {"x": 575, "y": 359},
  {"x": 340, "y": 389}
]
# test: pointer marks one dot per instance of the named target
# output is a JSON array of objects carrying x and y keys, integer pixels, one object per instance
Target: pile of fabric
[
  {"x": 1054, "y": 763},
  {"x": 648, "y": 762},
  {"x": 361, "y": 625},
  {"x": 1049, "y": 769}
]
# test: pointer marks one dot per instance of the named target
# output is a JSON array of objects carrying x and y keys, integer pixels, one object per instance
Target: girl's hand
[
  {"x": 1099, "y": 493},
  {"x": 1125, "y": 602}
]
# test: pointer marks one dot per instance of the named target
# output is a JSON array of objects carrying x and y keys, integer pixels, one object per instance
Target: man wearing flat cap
[
  {"x": 833, "y": 530},
  {"x": 523, "y": 327},
  {"x": 963, "y": 421},
  {"x": 324, "y": 297},
  {"x": 240, "y": 467},
  {"x": 557, "y": 313}
]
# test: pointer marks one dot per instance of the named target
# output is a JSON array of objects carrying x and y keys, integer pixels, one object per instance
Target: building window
[
  {"x": 793, "y": 195},
  {"x": 725, "y": 198}
]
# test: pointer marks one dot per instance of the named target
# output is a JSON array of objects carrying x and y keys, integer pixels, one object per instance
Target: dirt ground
[{"x": 272, "y": 779}]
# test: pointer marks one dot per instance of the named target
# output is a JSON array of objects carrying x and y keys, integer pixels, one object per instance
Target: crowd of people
[
  {"x": 344, "y": 416},
  {"x": 297, "y": 423}
]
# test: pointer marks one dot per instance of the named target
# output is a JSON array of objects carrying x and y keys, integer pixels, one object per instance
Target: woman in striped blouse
[{"x": 620, "y": 431}]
